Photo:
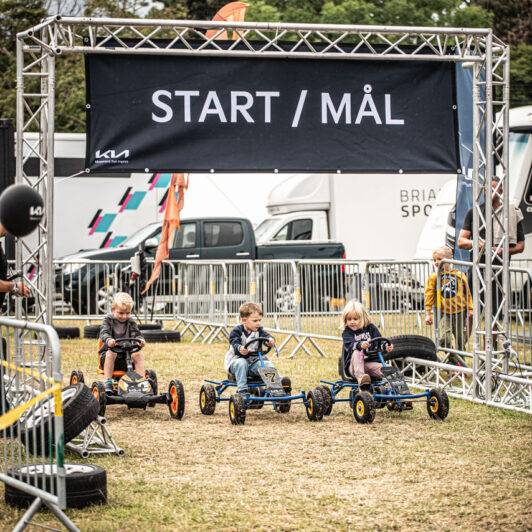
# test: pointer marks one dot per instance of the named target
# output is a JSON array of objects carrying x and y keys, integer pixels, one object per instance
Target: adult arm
[
  {"x": 520, "y": 246},
  {"x": 16, "y": 287}
]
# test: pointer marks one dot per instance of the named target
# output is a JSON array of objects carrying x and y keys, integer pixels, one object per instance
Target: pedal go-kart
[
  {"x": 132, "y": 389},
  {"x": 392, "y": 391},
  {"x": 266, "y": 388}
]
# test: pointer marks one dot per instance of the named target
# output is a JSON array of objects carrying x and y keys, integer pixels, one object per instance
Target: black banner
[{"x": 177, "y": 113}]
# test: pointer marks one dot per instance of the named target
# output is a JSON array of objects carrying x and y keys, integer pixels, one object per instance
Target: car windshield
[
  {"x": 264, "y": 228},
  {"x": 139, "y": 236}
]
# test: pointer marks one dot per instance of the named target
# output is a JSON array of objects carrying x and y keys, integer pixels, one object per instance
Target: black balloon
[{"x": 21, "y": 209}]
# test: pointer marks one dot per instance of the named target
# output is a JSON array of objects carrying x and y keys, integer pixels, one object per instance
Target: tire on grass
[
  {"x": 91, "y": 331},
  {"x": 438, "y": 404},
  {"x": 161, "y": 336},
  {"x": 364, "y": 407},
  {"x": 85, "y": 484},
  {"x": 327, "y": 399},
  {"x": 67, "y": 332},
  {"x": 207, "y": 399},
  {"x": 176, "y": 395}
]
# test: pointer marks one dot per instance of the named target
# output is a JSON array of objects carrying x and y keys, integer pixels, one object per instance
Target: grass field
[{"x": 280, "y": 472}]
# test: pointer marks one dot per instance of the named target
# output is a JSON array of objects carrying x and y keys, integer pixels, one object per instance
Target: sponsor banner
[{"x": 198, "y": 113}]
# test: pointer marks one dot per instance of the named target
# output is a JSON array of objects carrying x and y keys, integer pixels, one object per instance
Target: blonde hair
[
  {"x": 359, "y": 310},
  {"x": 445, "y": 251},
  {"x": 248, "y": 308},
  {"x": 122, "y": 300}
]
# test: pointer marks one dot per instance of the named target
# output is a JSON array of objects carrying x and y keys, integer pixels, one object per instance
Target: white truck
[
  {"x": 440, "y": 226},
  {"x": 375, "y": 216}
]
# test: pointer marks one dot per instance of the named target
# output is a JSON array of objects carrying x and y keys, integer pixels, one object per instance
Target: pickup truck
[{"x": 198, "y": 239}]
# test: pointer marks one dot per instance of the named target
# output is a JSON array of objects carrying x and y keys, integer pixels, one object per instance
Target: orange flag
[
  {"x": 175, "y": 201},
  {"x": 232, "y": 12}
]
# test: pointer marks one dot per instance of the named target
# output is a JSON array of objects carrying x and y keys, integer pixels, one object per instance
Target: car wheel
[
  {"x": 327, "y": 399},
  {"x": 176, "y": 396},
  {"x": 285, "y": 299},
  {"x": 438, "y": 404},
  {"x": 85, "y": 484},
  {"x": 80, "y": 409},
  {"x": 237, "y": 409},
  {"x": 207, "y": 399},
  {"x": 364, "y": 408}
]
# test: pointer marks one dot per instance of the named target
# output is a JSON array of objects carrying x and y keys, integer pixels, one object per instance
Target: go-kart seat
[
  {"x": 348, "y": 378},
  {"x": 117, "y": 373},
  {"x": 252, "y": 379}
]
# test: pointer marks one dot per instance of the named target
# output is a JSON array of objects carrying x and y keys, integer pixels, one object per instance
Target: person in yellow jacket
[{"x": 456, "y": 302}]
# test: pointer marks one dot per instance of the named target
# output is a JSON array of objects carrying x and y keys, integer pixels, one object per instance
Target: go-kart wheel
[
  {"x": 283, "y": 407},
  {"x": 381, "y": 390},
  {"x": 327, "y": 399},
  {"x": 237, "y": 409},
  {"x": 98, "y": 390},
  {"x": 76, "y": 376},
  {"x": 314, "y": 405},
  {"x": 150, "y": 374},
  {"x": 207, "y": 399},
  {"x": 176, "y": 399},
  {"x": 364, "y": 407},
  {"x": 438, "y": 404}
]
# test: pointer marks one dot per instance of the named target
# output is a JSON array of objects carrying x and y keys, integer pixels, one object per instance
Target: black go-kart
[
  {"x": 391, "y": 391},
  {"x": 268, "y": 387},
  {"x": 132, "y": 389}
]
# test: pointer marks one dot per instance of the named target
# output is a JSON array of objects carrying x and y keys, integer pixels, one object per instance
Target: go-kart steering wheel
[
  {"x": 374, "y": 350},
  {"x": 129, "y": 345},
  {"x": 262, "y": 340}
]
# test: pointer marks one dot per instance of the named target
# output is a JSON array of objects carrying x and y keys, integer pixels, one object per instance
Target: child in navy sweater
[{"x": 358, "y": 329}]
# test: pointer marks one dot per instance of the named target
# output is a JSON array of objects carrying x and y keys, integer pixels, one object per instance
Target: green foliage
[
  {"x": 521, "y": 75},
  {"x": 512, "y": 22},
  {"x": 15, "y": 16}
]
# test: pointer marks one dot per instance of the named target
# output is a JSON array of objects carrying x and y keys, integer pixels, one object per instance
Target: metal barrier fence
[
  {"x": 304, "y": 300},
  {"x": 31, "y": 411}
]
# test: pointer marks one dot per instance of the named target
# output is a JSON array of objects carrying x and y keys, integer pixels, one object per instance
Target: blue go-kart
[
  {"x": 392, "y": 391},
  {"x": 268, "y": 387}
]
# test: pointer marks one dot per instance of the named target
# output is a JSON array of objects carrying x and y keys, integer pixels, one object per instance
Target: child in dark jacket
[
  {"x": 243, "y": 361},
  {"x": 358, "y": 329},
  {"x": 118, "y": 324}
]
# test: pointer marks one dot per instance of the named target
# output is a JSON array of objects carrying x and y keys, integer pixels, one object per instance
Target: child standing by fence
[{"x": 456, "y": 302}]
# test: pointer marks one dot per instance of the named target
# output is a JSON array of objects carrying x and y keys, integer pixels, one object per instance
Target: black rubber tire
[
  {"x": 364, "y": 407},
  {"x": 327, "y": 399},
  {"x": 438, "y": 404},
  {"x": 67, "y": 332},
  {"x": 150, "y": 326},
  {"x": 283, "y": 407},
  {"x": 412, "y": 345},
  {"x": 76, "y": 376},
  {"x": 161, "y": 336},
  {"x": 150, "y": 374},
  {"x": 207, "y": 399},
  {"x": 176, "y": 399},
  {"x": 381, "y": 390},
  {"x": 314, "y": 405},
  {"x": 91, "y": 331},
  {"x": 98, "y": 390},
  {"x": 85, "y": 484},
  {"x": 80, "y": 409},
  {"x": 237, "y": 409}
]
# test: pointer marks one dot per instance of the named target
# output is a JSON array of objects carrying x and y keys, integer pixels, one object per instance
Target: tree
[{"x": 15, "y": 16}]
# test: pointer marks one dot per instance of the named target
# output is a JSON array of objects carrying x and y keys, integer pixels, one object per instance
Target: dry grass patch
[{"x": 281, "y": 472}]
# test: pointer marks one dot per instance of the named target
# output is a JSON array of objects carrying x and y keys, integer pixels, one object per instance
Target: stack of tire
[
  {"x": 85, "y": 483},
  {"x": 152, "y": 332}
]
